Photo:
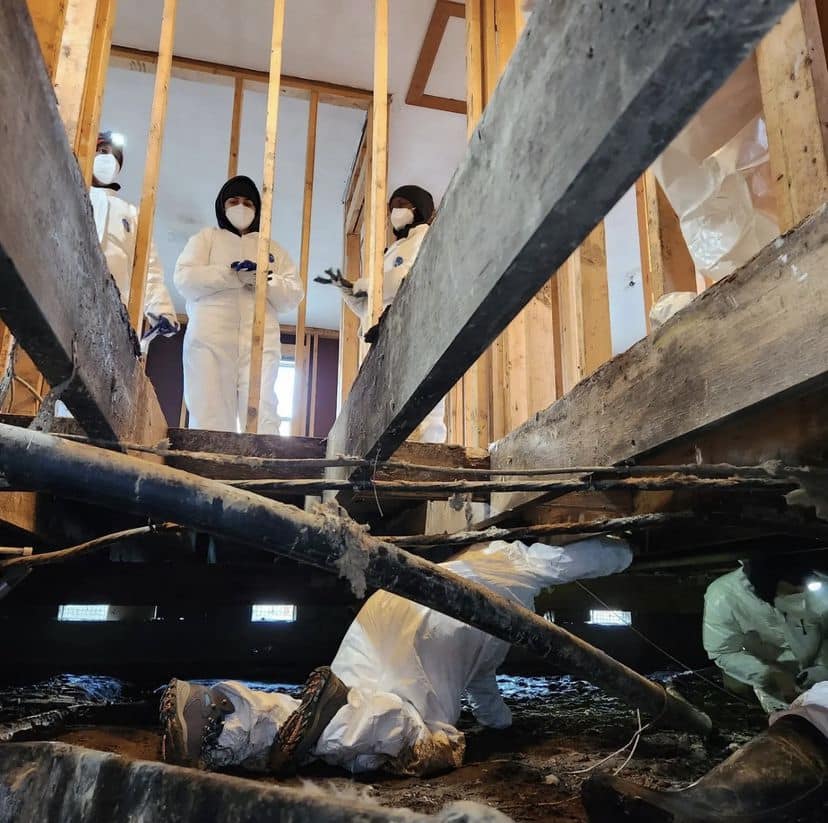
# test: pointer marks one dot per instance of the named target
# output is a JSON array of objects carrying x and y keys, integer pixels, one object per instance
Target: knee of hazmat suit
[
  {"x": 116, "y": 223},
  {"x": 716, "y": 175},
  {"x": 216, "y": 275},
  {"x": 408, "y": 666},
  {"x": 765, "y": 626}
]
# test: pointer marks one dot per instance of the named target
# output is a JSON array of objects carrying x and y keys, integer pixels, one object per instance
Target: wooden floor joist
[
  {"x": 58, "y": 298},
  {"x": 555, "y": 173},
  {"x": 753, "y": 338}
]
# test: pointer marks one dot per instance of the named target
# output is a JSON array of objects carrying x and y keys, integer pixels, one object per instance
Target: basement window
[
  {"x": 273, "y": 613},
  {"x": 610, "y": 617},
  {"x": 83, "y": 612}
]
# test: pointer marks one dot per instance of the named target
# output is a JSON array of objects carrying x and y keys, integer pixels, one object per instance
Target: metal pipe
[{"x": 322, "y": 539}]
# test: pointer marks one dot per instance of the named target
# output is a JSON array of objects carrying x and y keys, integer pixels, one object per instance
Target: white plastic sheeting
[{"x": 716, "y": 175}]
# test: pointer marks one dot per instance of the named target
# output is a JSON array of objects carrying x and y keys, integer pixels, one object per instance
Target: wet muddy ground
[{"x": 533, "y": 771}]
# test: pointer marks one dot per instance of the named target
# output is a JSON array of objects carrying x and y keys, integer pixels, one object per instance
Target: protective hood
[
  {"x": 764, "y": 574},
  {"x": 239, "y": 186},
  {"x": 423, "y": 204}
]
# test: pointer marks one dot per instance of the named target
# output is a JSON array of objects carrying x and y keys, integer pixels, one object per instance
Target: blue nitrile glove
[{"x": 168, "y": 326}]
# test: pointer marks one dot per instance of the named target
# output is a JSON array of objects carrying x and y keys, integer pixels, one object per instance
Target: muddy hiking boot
[
  {"x": 192, "y": 718},
  {"x": 781, "y": 776},
  {"x": 323, "y": 696}
]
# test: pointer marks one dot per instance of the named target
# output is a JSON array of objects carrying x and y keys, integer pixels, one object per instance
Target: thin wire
[
  {"x": 633, "y": 741},
  {"x": 667, "y": 654},
  {"x": 636, "y": 738}
]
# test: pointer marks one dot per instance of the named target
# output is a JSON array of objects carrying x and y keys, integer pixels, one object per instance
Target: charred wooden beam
[
  {"x": 751, "y": 339},
  {"x": 58, "y": 298},
  {"x": 541, "y": 173},
  {"x": 320, "y": 539}
]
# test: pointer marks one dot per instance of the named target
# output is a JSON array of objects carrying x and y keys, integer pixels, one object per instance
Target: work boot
[
  {"x": 323, "y": 696},
  {"x": 192, "y": 718},
  {"x": 781, "y": 776}
]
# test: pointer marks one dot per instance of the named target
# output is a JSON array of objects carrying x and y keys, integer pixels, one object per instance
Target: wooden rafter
[{"x": 443, "y": 11}]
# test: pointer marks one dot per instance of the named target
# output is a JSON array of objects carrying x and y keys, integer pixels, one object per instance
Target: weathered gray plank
[
  {"x": 592, "y": 94},
  {"x": 756, "y": 337},
  {"x": 56, "y": 294}
]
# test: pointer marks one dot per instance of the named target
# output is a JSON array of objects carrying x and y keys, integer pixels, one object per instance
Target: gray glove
[
  {"x": 333, "y": 277},
  {"x": 811, "y": 676},
  {"x": 780, "y": 684}
]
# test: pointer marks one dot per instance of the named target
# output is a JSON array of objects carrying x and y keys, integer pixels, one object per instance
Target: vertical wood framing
[
  {"x": 491, "y": 62},
  {"x": 48, "y": 18},
  {"x": 793, "y": 80},
  {"x": 266, "y": 219},
  {"x": 476, "y": 384},
  {"x": 235, "y": 128},
  {"x": 666, "y": 264},
  {"x": 474, "y": 63},
  {"x": 152, "y": 166},
  {"x": 465, "y": 392},
  {"x": 300, "y": 373},
  {"x": 584, "y": 306},
  {"x": 348, "y": 326},
  {"x": 90, "y": 122},
  {"x": 314, "y": 384},
  {"x": 73, "y": 62},
  {"x": 376, "y": 222},
  {"x": 365, "y": 219}
]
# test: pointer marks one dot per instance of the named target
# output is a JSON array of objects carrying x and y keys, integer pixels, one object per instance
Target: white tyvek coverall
[
  {"x": 397, "y": 262},
  {"x": 752, "y": 641},
  {"x": 116, "y": 222},
  {"x": 217, "y": 343},
  {"x": 408, "y": 667}
]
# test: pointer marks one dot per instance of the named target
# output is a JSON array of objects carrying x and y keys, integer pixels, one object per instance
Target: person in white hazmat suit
[
  {"x": 410, "y": 212},
  {"x": 216, "y": 273},
  {"x": 116, "y": 223},
  {"x": 391, "y": 698},
  {"x": 765, "y": 627},
  {"x": 780, "y": 776}
]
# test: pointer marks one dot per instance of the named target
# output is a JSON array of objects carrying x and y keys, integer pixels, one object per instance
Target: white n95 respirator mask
[
  {"x": 240, "y": 216},
  {"x": 105, "y": 168},
  {"x": 400, "y": 218}
]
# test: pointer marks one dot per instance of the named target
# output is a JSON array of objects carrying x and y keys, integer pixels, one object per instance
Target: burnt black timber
[
  {"x": 590, "y": 97},
  {"x": 57, "y": 782},
  {"x": 56, "y": 294},
  {"x": 243, "y": 445},
  {"x": 750, "y": 341}
]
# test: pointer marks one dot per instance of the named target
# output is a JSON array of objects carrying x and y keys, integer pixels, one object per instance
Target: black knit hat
[{"x": 239, "y": 186}]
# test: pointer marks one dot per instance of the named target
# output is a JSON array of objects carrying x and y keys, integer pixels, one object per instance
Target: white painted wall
[{"x": 626, "y": 294}]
